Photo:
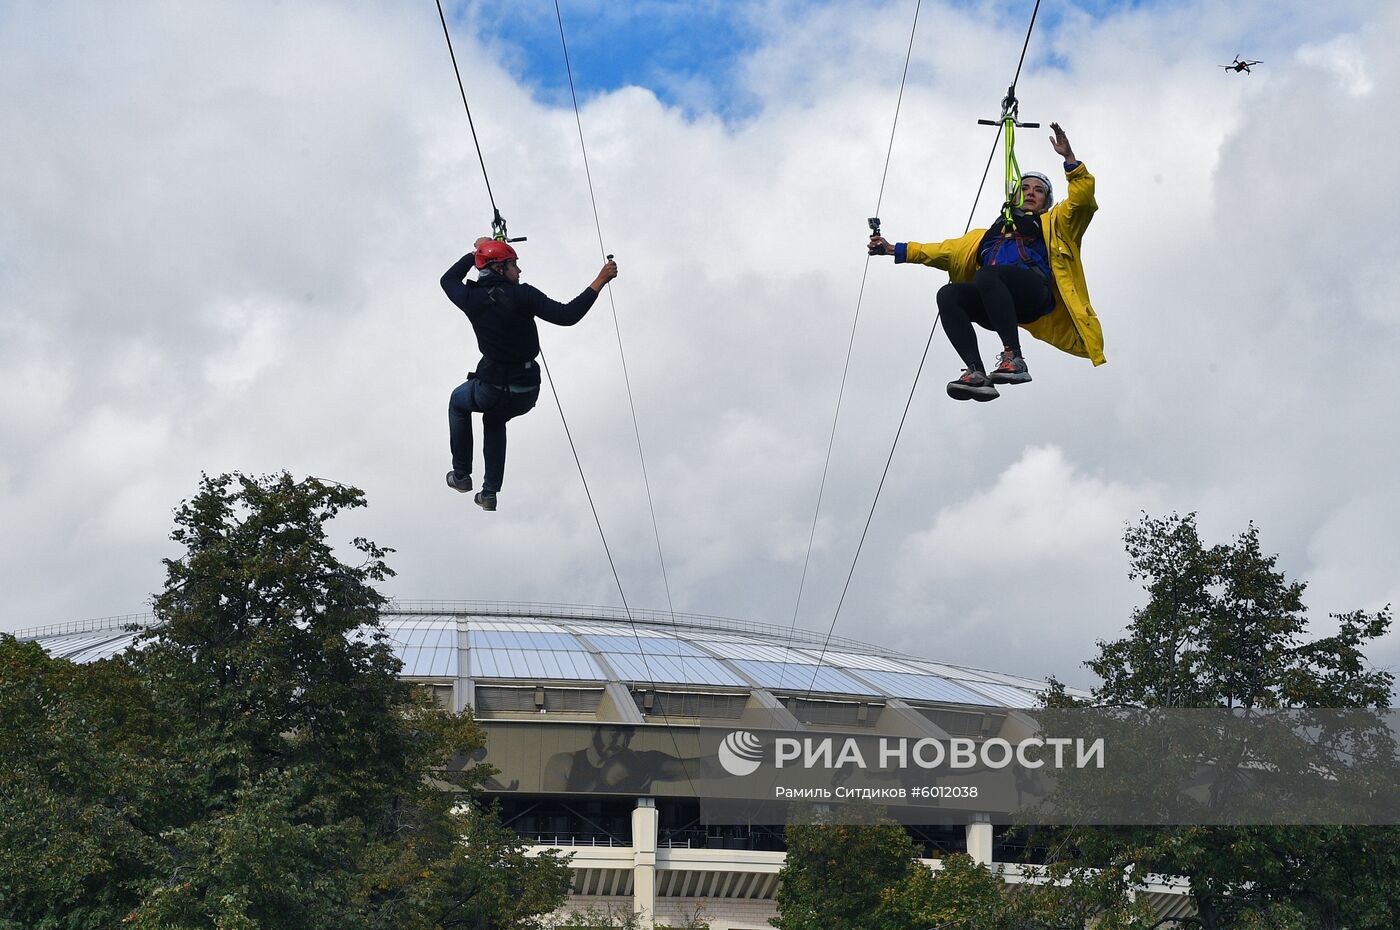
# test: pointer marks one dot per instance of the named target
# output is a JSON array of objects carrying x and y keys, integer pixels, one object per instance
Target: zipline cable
[
  {"x": 544, "y": 363},
  {"x": 617, "y": 579},
  {"x": 850, "y": 346},
  {"x": 922, "y": 359},
  {"x": 626, "y": 378},
  {"x": 636, "y": 431},
  {"x": 457, "y": 71}
]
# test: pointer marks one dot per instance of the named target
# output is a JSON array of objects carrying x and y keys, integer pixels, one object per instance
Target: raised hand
[
  {"x": 606, "y": 274},
  {"x": 1060, "y": 143}
]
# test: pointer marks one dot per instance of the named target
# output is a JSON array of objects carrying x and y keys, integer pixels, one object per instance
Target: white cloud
[
  {"x": 1345, "y": 57},
  {"x": 223, "y": 235},
  {"x": 1025, "y": 560}
]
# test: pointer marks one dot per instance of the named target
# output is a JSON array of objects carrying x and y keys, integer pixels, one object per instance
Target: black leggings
[{"x": 998, "y": 298}]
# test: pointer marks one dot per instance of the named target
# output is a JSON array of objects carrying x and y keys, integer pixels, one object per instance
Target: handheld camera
[{"x": 874, "y": 223}]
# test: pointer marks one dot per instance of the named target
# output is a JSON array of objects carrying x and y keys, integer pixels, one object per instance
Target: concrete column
[
  {"x": 644, "y": 824},
  {"x": 462, "y": 696},
  {"x": 979, "y": 839}
]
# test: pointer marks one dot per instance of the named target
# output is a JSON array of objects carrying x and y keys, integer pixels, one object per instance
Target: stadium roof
[{"x": 444, "y": 640}]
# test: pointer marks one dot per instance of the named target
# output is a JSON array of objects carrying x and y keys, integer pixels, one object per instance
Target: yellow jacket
[{"x": 1072, "y": 326}]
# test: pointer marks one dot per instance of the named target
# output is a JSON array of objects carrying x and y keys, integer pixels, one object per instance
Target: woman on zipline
[{"x": 1023, "y": 271}]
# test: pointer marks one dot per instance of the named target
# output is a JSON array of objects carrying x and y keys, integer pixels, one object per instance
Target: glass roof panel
[
  {"x": 91, "y": 647},
  {"x": 671, "y": 669},
  {"x": 421, "y": 662},
  {"x": 534, "y": 663},
  {"x": 1015, "y": 681},
  {"x": 725, "y": 637},
  {"x": 530, "y": 648},
  {"x": 63, "y": 647},
  {"x": 516, "y": 639},
  {"x": 420, "y": 635},
  {"x": 513, "y": 627},
  {"x": 734, "y": 649},
  {"x": 858, "y": 661},
  {"x": 652, "y": 646},
  {"x": 925, "y": 687},
  {"x": 1005, "y": 695},
  {"x": 615, "y": 630},
  {"x": 801, "y": 677},
  {"x": 957, "y": 673},
  {"x": 426, "y": 651}
]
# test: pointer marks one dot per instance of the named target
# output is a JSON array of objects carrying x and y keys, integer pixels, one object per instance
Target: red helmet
[{"x": 492, "y": 251}]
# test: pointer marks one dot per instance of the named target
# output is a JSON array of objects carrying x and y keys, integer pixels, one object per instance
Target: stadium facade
[{"x": 603, "y": 726}]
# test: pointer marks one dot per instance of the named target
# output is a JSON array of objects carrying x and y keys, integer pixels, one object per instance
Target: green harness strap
[
  {"x": 1015, "y": 197},
  {"x": 1010, "y": 109}
]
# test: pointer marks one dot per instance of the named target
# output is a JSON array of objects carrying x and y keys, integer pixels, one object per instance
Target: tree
[
  {"x": 1224, "y": 628},
  {"x": 259, "y": 765},
  {"x": 623, "y": 918},
  {"x": 837, "y": 872},
  {"x": 859, "y": 872},
  {"x": 961, "y": 894},
  {"x": 83, "y": 785}
]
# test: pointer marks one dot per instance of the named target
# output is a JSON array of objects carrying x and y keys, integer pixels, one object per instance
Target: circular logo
[{"x": 741, "y": 753}]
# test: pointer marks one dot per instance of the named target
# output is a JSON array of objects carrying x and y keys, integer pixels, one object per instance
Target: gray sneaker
[
  {"x": 486, "y": 500},
  {"x": 973, "y": 385},
  {"x": 461, "y": 485},
  {"x": 1011, "y": 369}
]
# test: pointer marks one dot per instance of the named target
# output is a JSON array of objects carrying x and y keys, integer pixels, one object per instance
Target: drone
[{"x": 1240, "y": 64}]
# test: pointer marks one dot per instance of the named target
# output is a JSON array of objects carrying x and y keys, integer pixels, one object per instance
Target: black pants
[
  {"x": 496, "y": 405},
  {"x": 997, "y": 298}
]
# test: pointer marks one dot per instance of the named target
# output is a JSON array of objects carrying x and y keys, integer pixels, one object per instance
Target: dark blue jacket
[{"x": 503, "y": 316}]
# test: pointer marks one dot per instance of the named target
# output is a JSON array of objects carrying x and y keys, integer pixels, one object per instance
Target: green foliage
[
  {"x": 837, "y": 873},
  {"x": 599, "y": 918},
  {"x": 1224, "y": 627},
  {"x": 620, "y": 918},
  {"x": 256, "y": 763},
  {"x": 961, "y": 894},
  {"x": 863, "y": 876},
  {"x": 82, "y": 784}
]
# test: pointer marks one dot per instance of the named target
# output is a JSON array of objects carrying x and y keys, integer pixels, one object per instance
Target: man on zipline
[
  {"x": 1026, "y": 271},
  {"x": 506, "y": 382}
]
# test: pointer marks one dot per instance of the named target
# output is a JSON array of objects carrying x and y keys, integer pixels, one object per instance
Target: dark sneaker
[
  {"x": 486, "y": 500},
  {"x": 973, "y": 385},
  {"x": 462, "y": 485},
  {"x": 1010, "y": 369}
]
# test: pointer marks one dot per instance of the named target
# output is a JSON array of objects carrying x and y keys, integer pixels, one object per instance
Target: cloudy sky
[{"x": 224, "y": 224}]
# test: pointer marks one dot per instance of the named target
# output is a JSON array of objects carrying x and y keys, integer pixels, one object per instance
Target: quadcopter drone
[{"x": 1241, "y": 64}]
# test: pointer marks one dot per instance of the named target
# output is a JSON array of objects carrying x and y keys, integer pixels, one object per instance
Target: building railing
[
  {"x": 640, "y": 616},
  {"x": 520, "y": 609},
  {"x": 572, "y": 839},
  {"x": 774, "y": 634},
  {"x": 96, "y": 625}
]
